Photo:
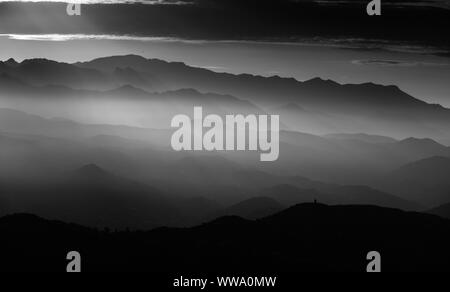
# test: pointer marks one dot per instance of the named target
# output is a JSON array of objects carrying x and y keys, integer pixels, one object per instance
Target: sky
[{"x": 407, "y": 46}]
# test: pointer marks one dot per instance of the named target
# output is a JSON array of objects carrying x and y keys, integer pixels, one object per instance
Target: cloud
[
  {"x": 74, "y": 37},
  {"x": 276, "y": 21},
  {"x": 348, "y": 44},
  {"x": 378, "y": 62}
]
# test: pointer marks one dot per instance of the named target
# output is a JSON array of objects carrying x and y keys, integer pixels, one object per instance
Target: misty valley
[
  {"x": 118, "y": 163},
  {"x": 99, "y": 152}
]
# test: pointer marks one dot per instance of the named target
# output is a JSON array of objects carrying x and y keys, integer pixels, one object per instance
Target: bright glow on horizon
[
  {"x": 346, "y": 61},
  {"x": 74, "y": 37}
]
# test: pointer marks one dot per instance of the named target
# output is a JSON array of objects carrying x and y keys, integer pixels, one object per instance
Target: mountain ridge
[
  {"x": 239, "y": 244},
  {"x": 331, "y": 107}
]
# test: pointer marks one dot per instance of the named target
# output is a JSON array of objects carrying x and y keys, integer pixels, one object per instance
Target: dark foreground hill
[
  {"x": 443, "y": 211},
  {"x": 307, "y": 237}
]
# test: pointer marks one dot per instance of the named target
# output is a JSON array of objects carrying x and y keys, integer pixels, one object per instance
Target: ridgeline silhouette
[{"x": 306, "y": 237}]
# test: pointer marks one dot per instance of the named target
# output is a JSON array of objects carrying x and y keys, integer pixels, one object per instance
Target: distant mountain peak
[
  {"x": 412, "y": 139},
  {"x": 38, "y": 61},
  {"x": 129, "y": 90},
  {"x": 116, "y": 61},
  {"x": 420, "y": 141},
  {"x": 129, "y": 57},
  {"x": 11, "y": 62},
  {"x": 320, "y": 81}
]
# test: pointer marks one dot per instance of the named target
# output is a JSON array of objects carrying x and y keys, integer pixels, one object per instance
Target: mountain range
[
  {"x": 316, "y": 106},
  {"x": 33, "y": 147},
  {"x": 109, "y": 119}
]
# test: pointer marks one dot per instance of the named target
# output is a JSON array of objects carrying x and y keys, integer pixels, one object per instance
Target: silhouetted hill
[
  {"x": 443, "y": 211},
  {"x": 136, "y": 62},
  {"x": 290, "y": 195},
  {"x": 254, "y": 208},
  {"x": 344, "y": 215},
  {"x": 309, "y": 237},
  {"x": 369, "y": 196}
]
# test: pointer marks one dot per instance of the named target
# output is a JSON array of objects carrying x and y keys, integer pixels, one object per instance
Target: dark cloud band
[{"x": 239, "y": 20}]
